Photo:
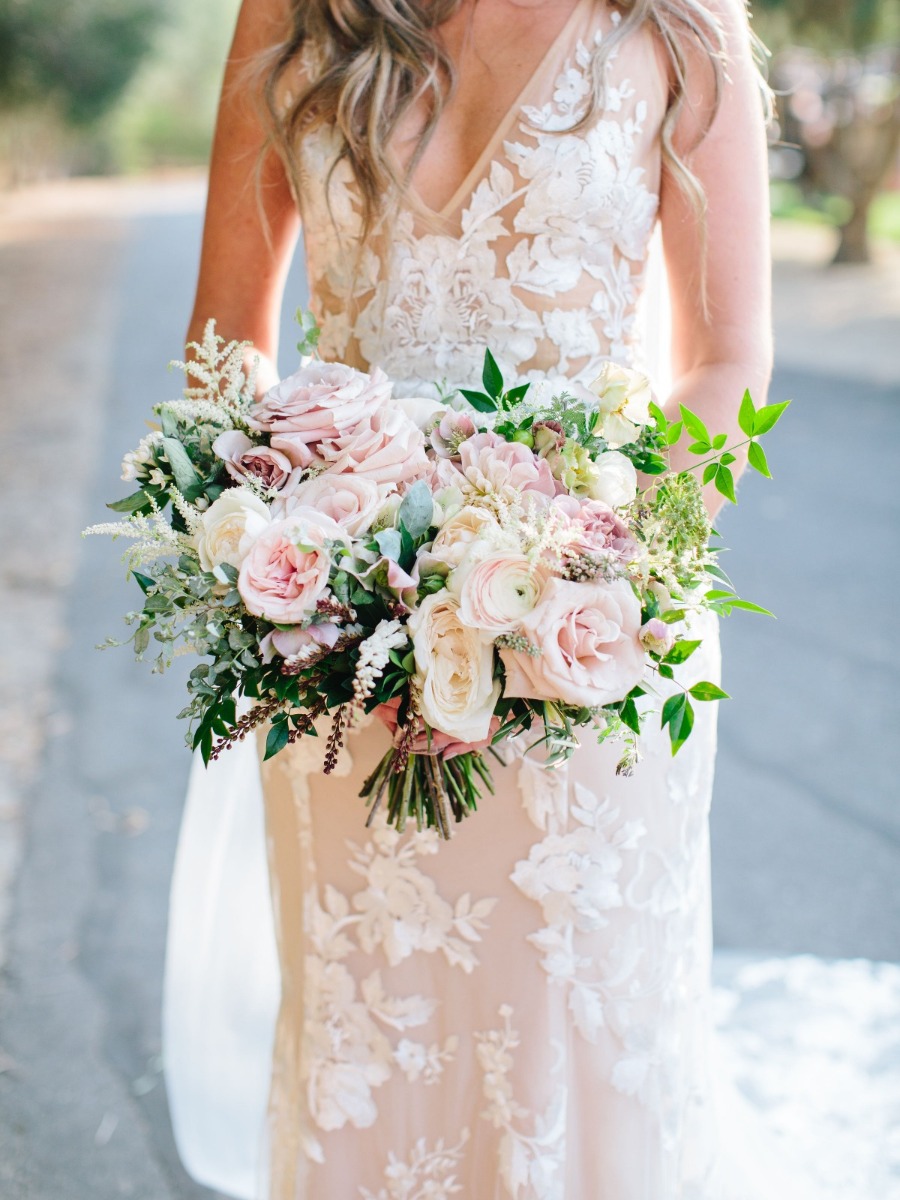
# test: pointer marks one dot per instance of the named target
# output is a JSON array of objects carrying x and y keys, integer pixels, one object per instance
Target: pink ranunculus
[
  {"x": 351, "y": 500},
  {"x": 320, "y": 400},
  {"x": 440, "y": 743},
  {"x": 244, "y": 458},
  {"x": 288, "y": 642},
  {"x": 499, "y": 591},
  {"x": 600, "y": 529},
  {"x": 387, "y": 447},
  {"x": 286, "y": 569},
  {"x": 588, "y": 637},
  {"x": 491, "y": 464}
]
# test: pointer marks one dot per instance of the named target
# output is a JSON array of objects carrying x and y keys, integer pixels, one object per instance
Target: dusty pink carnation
[
  {"x": 600, "y": 529},
  {"x": 588, "y": 637}
]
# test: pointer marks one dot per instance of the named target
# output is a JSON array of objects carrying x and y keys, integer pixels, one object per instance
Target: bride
[{"x": 523, "y": 1012}]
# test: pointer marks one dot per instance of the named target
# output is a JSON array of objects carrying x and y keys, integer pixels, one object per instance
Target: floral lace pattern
[{"x": 544, "y": 262}]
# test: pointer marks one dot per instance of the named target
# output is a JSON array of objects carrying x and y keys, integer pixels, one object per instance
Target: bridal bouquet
[{"x": 471, "y": 568}]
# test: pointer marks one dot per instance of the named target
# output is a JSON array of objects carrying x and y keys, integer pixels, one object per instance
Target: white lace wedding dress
[{"x": 523, "y": 1013}]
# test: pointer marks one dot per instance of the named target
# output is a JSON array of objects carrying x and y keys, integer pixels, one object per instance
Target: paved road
[{"x": 806, "y": 823}]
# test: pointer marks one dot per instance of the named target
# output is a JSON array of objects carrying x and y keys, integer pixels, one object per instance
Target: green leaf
[
  {"x": 630, "y": 717},
  {"x": 666, "y": 672},
  {"x": 695, "y": 426},
  {"x": 678, "y": 714},
  {"x": 479, "y": 401},
  {"x": 719, "y": 441},
  {"x": 725, "y": 483},
  {"x": 727, "y": 459},
  {"x": 673, "y": 433},
  {"x": 144, "y": 582},
  {"x": 749, "y": 606},
  {"x": 515, "y": 394},
  {"x": 747, "y": 415},
  {"x": 131, "y": 503},
  {"x": 709, "y": 471},
  {"x": 492, "y": 376},
  {"x": 756, "y": 456},
  {"x": 182, "y": 467},
  {"x": 768, "y": 417},
  {"x": 662, "y": 421},
  {"x": 699, "y": 447},
  {"x": 708, "y": 691},
  {"x": 681, "y": 652},
  {"x": 277, "y": 739},
  {"x": 309, "y": 331},
  {"x": 389, "y": 543},
  {"x": 417, "y": 509},
  {"x": 672, "y": 615},
  {"x": 141, "y": 640}
]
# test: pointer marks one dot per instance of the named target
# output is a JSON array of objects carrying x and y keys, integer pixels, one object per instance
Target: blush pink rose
[
  {"x": 353, "y": 501},
  {"x": 387, "y": 447},
  {"x": 320, "y": 400},
  {"x": 588, "y": 636},
  {"x": 600, "y": 529},
  {"x": 244, "y": 458},
  {"x": 491, "y": 464},
  {"x": 286, "y": 569}
]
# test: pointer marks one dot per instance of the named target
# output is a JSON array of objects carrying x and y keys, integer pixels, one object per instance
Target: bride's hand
[{"x": 439, "y": 743}]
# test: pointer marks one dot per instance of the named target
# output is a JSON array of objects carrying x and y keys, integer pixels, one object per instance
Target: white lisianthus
[
  {"x": 498, "y": 592},
  {"x": 230, "y": 526},
  {"x": 614, "y": 480},
  {"x": 141, "y": 457},
  {"x": 624, "y": 398},
  {"x": 454, "y": 668}
]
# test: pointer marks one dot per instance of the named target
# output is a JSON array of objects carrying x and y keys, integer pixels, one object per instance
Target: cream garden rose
[
  {"x": 588, "y": 636},
  {"x": 454, "y": 668},
  {"x": 286, "y": 569},
  {"x": 624, "y": 398},
  {"x": 229, "y": 528}
]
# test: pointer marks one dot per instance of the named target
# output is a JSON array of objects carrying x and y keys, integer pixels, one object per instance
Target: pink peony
[
  {"x": 288, "y": 642},
  {"x": 588, "y": 637},
  {"x": 387, "y": 447},
  {"x": 351, "y": 500},
  {"x": 286, "y": 569},
  {"x": 491, "y": 464},
  {"x": 600, "y": 529},
  {"x": 244, "y": 458},
  {"x": 320, "y": 400}
]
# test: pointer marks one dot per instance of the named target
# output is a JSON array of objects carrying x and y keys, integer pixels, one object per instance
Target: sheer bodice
[{"x": 540, "y": 253}]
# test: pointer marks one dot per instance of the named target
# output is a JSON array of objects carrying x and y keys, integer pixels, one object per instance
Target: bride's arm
[
  {"x": 243, "y": 265},
  {"x": 726, "y": 347}
]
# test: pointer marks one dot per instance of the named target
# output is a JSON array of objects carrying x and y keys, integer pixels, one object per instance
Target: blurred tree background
[{"x": 90, "y": 86}]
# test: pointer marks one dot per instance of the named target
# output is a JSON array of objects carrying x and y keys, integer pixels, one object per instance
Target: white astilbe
[
  {"x": 197, "y": 410},
  {"x": 539, "y": 533},
  {"x": 222, "y": 388},
  {"x": 153, "y": 538},
  {"x": 374, "y": 655},
  {"x": 191, "y": 515}
]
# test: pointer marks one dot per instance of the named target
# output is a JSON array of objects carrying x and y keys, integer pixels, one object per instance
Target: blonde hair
[{"x": 376, "y": 59}]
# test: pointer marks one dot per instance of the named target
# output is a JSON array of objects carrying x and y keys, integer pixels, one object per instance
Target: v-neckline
[{"x": 477, "y": 168}]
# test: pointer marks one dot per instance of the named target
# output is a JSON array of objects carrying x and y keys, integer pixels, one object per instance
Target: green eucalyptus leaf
[
  {"x": 168, "y": 422},
  {"x": 417, "y": 509},
  {"x": 182, "y": 468},
  {"x": 492, "y": 376},
  {"x": 141, "y": 640},
  {"x": 756, "y": 456},
  {"x": 389, "y": 543}
]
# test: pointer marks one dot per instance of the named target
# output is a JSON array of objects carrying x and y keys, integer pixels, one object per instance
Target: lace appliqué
[{"x": 426, "y": 1175}]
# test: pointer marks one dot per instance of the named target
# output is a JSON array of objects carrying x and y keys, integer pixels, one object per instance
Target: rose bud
[{"x": 657, "y": 637}]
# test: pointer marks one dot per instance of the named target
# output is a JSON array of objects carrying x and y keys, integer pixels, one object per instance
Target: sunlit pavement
[{"x": 94, "y": 297}]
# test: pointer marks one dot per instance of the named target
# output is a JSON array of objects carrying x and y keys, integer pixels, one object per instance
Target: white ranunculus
[
  {"x": 624, "y": 398},
  {"x": 456, "y": 536},
  {"x": 499, "y": 592},
  {"x": 455, "y": 670},
  {"x": 614, "y": 480},
  {"x": 230, "y": 526}
]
